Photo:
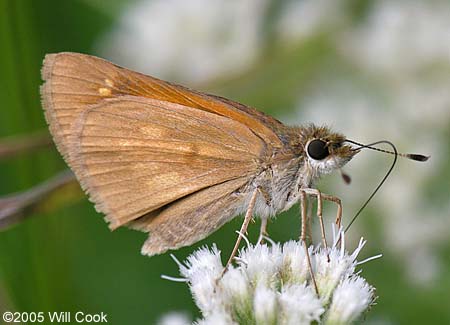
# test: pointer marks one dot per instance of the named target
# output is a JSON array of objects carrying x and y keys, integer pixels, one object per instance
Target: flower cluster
[{"x": 271, "y": 284}]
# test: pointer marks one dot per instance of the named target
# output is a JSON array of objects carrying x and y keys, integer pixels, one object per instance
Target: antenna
[
  {"x": 416, "y": 157},
  {"x": 412, "y": 156}
]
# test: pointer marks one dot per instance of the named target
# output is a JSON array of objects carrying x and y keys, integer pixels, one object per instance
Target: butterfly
[{"x": 177, "y": 163}]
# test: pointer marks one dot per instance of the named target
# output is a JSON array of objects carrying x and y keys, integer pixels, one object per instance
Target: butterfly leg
[
  {"x": 309, "y": 206},
  {"x": 303, "y": 237},
  {"x": 262, "y": 230},
  {"x": 318, "y": 194},
  {"x": 339, "y": 206},
  {"x": 320, "y": 197},
  {"x": 339, "y": 212},
  {"x": 247, "y": 218}
]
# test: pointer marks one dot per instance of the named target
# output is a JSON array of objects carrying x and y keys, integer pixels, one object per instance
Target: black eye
[{"x": 318, "y": 150}]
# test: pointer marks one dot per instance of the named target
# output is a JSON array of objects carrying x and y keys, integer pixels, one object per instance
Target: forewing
[
  {"x": 134, "y": 155},
  {"x": 74, "y": 82}
]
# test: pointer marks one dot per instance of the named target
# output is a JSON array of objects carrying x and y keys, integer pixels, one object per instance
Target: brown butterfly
[{"x": 178, "y": 163}]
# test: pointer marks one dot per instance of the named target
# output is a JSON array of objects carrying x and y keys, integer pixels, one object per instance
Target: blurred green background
[{"x": 371, "y": 69}]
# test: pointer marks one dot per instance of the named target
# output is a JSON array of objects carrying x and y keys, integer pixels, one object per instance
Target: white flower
[
  {"x": 295, "y": 265},
  {"x": 236, "y": 291},
  {"x": 203, "y": 260},
  {"x": 174, "y": 318},
  {"x": 218, "y": 317},
  {"x": 299, "y": 305},
  {"x": 201, "y": 270},
  {"x": 339, "y": 267},
  {"x": 272, "y": 285},
  {"x": 265, "y": 305},
  {"x": 261, "y": 263},
  {"x": 351, "y": 298}
]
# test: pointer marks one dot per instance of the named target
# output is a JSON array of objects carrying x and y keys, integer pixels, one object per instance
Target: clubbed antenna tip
[{"x": 417, "y": 157}]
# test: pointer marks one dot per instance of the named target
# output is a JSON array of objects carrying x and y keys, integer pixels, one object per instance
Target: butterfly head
[{"x": 326, "y": 150}]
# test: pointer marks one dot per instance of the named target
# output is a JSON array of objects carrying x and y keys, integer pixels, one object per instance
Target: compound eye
[{"x": 318, "y": 150}]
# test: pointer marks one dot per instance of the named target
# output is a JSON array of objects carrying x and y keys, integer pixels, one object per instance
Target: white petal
[
  {"x": 203, "y": 288},
  {"x": 265, "y": 305},
  {"x": 261, "y": 263},
  {"x": 235, "y": 293},
  {"x": 217, "y": 318},
  {"x": 203, "y": 259},
  {"x": 299, "y": 305},
  {"x": 295, "y": 265},
  {"x": 350, "y": 299},
  {"x": 202, "y": 270}
]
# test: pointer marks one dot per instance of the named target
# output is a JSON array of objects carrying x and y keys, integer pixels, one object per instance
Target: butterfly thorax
[{"x": 291, "y": 168}]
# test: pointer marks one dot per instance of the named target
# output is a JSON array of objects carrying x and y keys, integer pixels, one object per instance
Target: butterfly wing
[
  {"x": 134, "y": 155},
  {"x": 191, "y": 218},
  {"x": 74, "y": 82},
  {"x": 152, "y": 155}
]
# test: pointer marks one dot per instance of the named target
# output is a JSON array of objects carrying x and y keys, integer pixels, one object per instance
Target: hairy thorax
[{"x": 278, "y": 185}]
